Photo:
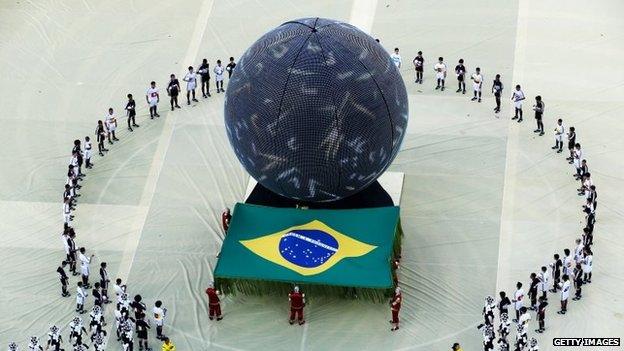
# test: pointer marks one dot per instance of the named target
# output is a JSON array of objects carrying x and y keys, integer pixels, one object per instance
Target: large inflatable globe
[{"x": 316, "y": 110}]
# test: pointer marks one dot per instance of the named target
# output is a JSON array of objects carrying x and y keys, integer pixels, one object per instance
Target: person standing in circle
[
  {"x": 218, "y": 71},
  {"x": 204, "y": 72},
  {"x": 477, "y": 83},
  {"x": 396, "y": 58},
  {"x": 153, "y": 99},
  {"x": 419, "y": 62},
  {"x": 517, "y": 96},
  {"x": 131, "y": 112},
  {"x": 460, "y": 71},
  {"x": 440, "y": 69},
  {"x": 497, "y": 90},
  {"x": 191, "y": 83},
  {"x": 173, "y": 89},
  {"x": 230, "y": 67}
]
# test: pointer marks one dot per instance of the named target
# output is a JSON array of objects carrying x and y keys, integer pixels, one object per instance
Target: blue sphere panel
[{"x": 316, "y": 110}]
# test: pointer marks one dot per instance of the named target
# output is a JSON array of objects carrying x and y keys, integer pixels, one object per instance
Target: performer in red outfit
[
  {"x": 225, "y": 219},
  {"x": 297, "y": 302},
  {"x": 214, "y": 304},
  {"x": 395, "y": 306}
]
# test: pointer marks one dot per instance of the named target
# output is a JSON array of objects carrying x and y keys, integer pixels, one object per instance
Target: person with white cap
[
  {"x": 533, "y": 346},
  {"x": 518, "y": 300},
  {"x": 34, "y": 345},
  {"x": 395, "y": 307},
  {"x": 488, "y": 310},
  {"x": 297, "y": 303},
  {"x": 54, "y": 339},
  {"x": 503, "y": 327}
]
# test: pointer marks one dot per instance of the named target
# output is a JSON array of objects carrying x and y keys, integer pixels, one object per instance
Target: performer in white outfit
[
  {"x": 87, "y": 152},
  {"x": 111, "y": 125},
  {"x": 191, "y": 83},
  {"x": 396, "y": 58},
  {"x": 152, "y": 98},
  {"x": 517, "y": 96},
  {"x": 565, "y": 293},
  {"x": 544, "y": 282},
  {"x": 218, "y": 71},
  {"x": 81, "y": 295},
  {"x": 477, "y": 83},
  {"x": 85, "y": 263},
  {"x": 440, "y": 69},
  {"x": 67, "y": 210},
  {"x": 559, "y": 134}
]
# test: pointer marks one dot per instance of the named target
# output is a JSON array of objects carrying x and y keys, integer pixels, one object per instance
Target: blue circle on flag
[{"x": 307, "y": 248}]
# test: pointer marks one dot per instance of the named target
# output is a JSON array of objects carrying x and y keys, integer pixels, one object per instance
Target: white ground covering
[{"x": 485, "y": 202}]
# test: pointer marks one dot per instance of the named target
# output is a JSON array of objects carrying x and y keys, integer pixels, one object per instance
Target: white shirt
[
  {"x": 118, "y": 289},
  {"x": 152, "y": 93},
  {"x": 518, "y": 95},
  {"x": 81, "y": 293},
  {"x": 578, "y": 154},
  {"x": 190, "y": 78},
  {"x": 396, "y": 58},
  {"x": 565, "y": 290},
  {"x": 440, "y": 67},
  {"x": 84, "y": 260},
  {"x": 519, "y": 297},
  {"x": 65, "y": 244},
  {"x": 159, "y": 315},
  {"x": 559, "y": 131},
  {"x": 525, "y": 318},
  {"x": 587, "y": 263},
  {"x": 567, "y": 265},
  {"x": 218, "y": 70},
  {"x": 66, "y": 209},
  {"x": 87, "y": 145},
  {"x": 477, "y": 78},
  {"x": 578, "y": 252}
]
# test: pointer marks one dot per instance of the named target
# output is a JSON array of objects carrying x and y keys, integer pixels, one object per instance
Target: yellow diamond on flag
[{"x": 307, "y": 249}]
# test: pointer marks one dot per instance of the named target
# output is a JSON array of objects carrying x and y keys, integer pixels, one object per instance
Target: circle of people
[
  {"x": 576, "y": 268},
  {"x": 125, "y": 325},
  {"x": 573, "y": 268}
]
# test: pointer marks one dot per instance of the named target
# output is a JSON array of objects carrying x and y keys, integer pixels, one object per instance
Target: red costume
[
  {"x": 297, "y": 302},
  {"x": 395, "y": 305},
  {"x": 214, "y": 304},
  {"x": 225, "y": 220}
]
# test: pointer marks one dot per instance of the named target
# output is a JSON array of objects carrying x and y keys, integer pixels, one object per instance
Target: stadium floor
[{"x": 485, "y": 201}]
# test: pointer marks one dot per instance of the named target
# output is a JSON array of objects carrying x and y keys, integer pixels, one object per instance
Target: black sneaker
[
  {"x": 541, "y": 133},
  {"x": 195, "y": 100},
  {"x": 157, "y": 115},
  {"x": 519, "y": 120},
  {"x": 438, "y": 87},
  {"x": 458, "y": 90},
  {"x": 479, "y": 100},
  {"x": 115, "y": 139},
  {"x": 442, "y": 88},
  {"x": 473, "y": 99},
  {"x": 178, "y": 106},
  {"x": 463, "y": 92},
  {"x": 515, "y": 117},
  {"x": 536, "y": 131},
  {"x": 136, "y": 125}
]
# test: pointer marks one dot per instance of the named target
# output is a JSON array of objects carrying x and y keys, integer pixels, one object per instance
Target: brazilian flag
[{"x": 327, "y": 248}]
